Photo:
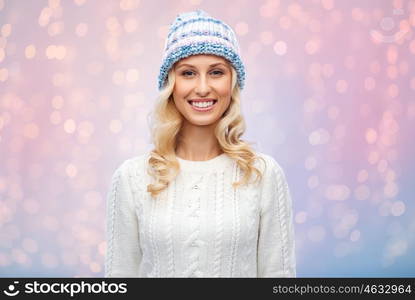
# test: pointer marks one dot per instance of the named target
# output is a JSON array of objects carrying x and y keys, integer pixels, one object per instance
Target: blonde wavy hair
[{"x": 167, "y": 121}]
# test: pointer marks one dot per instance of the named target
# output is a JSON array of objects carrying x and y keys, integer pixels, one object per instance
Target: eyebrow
[{"x": 212, "y": 65}]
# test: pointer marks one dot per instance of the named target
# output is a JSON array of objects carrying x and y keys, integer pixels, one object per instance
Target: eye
[
  {"x": 217, "y": 72},
  {"x": 184, "y": 73},
  {"x": 188, "y": 73}
]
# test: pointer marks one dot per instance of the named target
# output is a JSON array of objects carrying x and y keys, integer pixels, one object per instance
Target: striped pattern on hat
[{"x": 194, "y": 33}]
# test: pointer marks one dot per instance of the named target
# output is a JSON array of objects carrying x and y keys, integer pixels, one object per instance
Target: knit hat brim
[{"x": 202, "y": 48}]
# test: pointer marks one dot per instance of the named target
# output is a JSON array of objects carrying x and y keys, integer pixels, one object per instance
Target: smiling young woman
[{"x": 189, "y": 207}]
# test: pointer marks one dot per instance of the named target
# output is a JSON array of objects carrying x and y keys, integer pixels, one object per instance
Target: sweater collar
[{"x": 218, "y": 162}]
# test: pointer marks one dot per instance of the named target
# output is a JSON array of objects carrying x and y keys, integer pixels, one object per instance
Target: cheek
[
  {"x": 181, "y": 87},
  {"x": 225, "y": 85},
  {"x": 224, "y": 89}
]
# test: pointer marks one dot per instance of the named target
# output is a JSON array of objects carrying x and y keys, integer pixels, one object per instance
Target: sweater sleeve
[
  {"x": 123, "y": 253},
  {"x": 276, "y": 241}
]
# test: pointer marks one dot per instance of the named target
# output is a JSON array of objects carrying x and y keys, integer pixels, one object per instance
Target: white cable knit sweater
[{"x": 199, "y": 226}]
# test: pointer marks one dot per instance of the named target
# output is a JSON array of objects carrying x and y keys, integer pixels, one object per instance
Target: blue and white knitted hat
[{"x": 196, "y": 32}]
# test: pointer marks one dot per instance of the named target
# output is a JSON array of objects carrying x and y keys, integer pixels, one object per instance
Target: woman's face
[{"x": 203, "y": 78}]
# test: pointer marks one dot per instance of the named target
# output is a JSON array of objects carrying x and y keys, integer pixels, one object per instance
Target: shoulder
[
  {"x": 268, "y": 165},
  {"x": 275, "y": 186},
  {"x": 129, "y": 175},
  {"x": 132, "y": 166}
]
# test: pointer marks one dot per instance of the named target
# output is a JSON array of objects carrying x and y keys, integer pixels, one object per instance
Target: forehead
[{"x": 202, "y": 60}]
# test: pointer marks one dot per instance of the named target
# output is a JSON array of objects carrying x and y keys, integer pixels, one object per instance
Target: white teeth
[{"x": 202, "y": 104}]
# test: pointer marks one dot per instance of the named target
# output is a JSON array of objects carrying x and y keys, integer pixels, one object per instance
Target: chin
[{"x": 200, "y": 122}]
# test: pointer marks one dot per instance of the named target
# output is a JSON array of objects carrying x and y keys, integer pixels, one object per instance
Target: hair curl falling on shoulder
[{"x": 163, "y": 165}]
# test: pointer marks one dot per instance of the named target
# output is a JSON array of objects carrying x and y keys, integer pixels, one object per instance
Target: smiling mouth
[{"x": 202, "y": 105}]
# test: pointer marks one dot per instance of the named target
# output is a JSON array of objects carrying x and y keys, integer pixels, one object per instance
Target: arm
[
  {"x": 276, "y": 247},
  {"x": 123, "y": 253}
]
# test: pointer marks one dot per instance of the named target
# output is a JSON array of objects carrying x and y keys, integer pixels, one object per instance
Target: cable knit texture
[{"x": 200, "y": 226}]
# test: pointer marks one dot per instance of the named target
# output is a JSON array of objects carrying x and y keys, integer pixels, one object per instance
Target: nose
[{"x": 202, "y": 87}]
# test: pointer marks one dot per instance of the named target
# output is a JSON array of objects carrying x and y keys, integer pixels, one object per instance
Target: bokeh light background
[{"x": 329, "y": 94}]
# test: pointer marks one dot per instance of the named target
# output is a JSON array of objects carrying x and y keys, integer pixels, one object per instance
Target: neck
[{"x": 197, "y": 143}]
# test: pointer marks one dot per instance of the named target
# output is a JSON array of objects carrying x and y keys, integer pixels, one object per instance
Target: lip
[
  {"x": 202, "y": 100},
  {"x": 203, "y": 109}
]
